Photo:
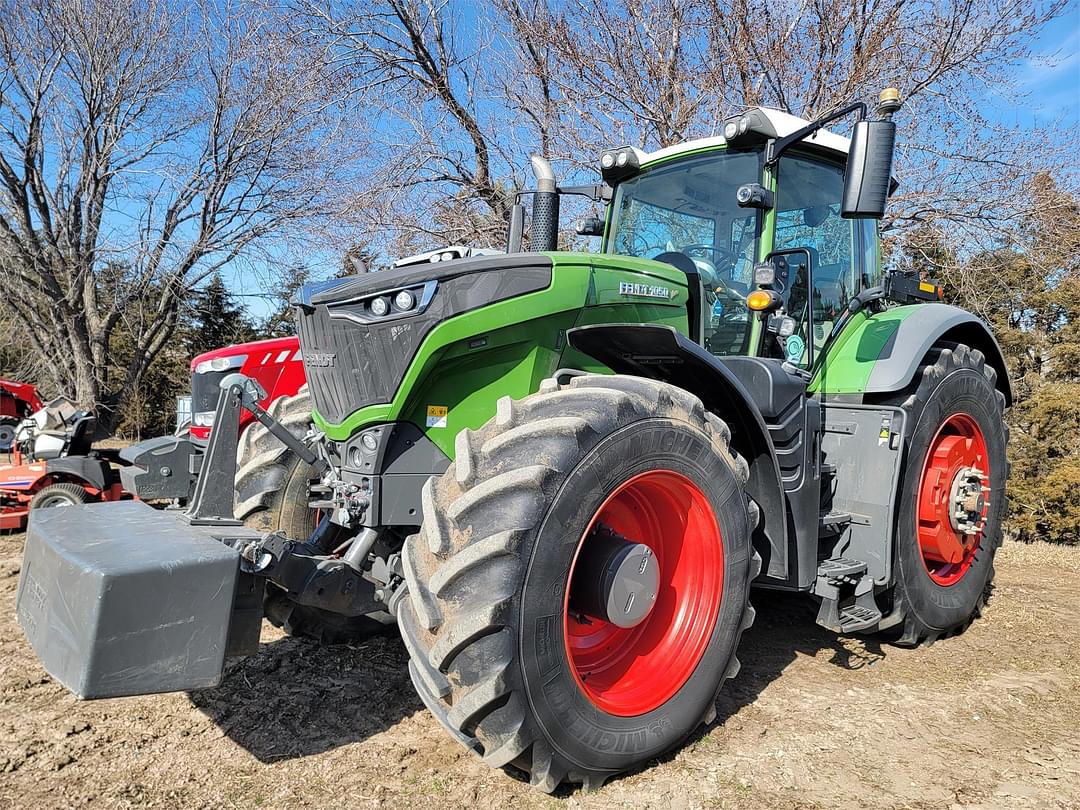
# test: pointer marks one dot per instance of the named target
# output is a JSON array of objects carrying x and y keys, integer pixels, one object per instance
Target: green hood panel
[{"x": 467, "y": 362}]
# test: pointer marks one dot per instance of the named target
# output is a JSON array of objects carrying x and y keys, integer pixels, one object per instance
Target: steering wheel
[{"x": 730, "y": 257}]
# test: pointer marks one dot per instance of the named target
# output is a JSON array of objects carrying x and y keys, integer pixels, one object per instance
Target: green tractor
[{"x": 560, "y": 473}]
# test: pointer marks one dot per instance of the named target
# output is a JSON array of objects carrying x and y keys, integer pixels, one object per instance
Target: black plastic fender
[
  {"x": 930, "y": 324},
  {"x": 163, "y": 467},
  {"x": 661, "y": 353},
  {"x": 94, "y": 471}
]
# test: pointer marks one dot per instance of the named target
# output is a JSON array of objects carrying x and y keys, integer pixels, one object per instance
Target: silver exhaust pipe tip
[{"x": 545, "y": 176}]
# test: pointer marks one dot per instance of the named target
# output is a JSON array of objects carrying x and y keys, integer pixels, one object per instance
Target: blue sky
[{"x": 1050, "y": 79}]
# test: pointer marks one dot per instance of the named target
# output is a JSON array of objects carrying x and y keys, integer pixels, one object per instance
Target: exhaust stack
[{"x": 544, "y": 228}]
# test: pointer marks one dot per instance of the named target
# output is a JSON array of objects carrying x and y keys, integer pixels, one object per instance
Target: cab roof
[{"x": 782, "y": 124}]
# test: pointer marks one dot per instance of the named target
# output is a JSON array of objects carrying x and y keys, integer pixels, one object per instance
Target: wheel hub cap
[
  {"x": 953, "y": 499},
  {"x": 615, "y": 579},
  {"x": 644, "y": 594}
]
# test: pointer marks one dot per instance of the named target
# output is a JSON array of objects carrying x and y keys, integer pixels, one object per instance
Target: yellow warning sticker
[
  {"x": 436, "y": 416},
  {"x": 927, "y": 287}
]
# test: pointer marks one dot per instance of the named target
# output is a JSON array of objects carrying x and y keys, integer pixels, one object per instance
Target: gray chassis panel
[{"x": 867, "y": 477}]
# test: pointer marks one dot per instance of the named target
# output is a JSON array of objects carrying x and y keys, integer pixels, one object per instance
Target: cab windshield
[{"x": 685, "y": 213}]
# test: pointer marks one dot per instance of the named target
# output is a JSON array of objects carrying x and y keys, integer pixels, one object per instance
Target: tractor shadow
[{"x": 295, "y": 698}]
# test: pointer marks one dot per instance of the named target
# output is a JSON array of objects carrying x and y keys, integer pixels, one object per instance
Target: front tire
[
  {"x": 956, "y": 433},
  {"x": 271, "y": 482},
  {"x": 500, "y": 618}
]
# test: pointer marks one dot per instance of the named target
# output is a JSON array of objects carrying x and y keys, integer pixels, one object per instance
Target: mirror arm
[
  {"x": 775, "y": 148},
  {"x": 600, "y": 192}
]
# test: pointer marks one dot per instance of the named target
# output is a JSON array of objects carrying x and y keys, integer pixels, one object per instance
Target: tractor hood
[{"x": 359, "y": 334}]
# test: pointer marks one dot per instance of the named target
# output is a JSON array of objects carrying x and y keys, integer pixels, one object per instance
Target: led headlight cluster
[
  {"x": 402, "y": 302},
  {"x": 393, "y": 303},
  {"x": 220, "y": 363}
]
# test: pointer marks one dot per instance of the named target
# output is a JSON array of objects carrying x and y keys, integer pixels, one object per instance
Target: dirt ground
[{"x": 990, "y": 719}]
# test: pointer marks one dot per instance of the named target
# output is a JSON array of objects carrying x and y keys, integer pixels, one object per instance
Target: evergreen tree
[{"x": 217, "y": 319}]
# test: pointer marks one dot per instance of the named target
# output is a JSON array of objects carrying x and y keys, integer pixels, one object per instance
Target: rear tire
[
  {"x": 490, "y": 594},
  {"x": 7, "y": 434},
  {"x": 952, "y": 406},
  {"x": 63, "y": 494}
]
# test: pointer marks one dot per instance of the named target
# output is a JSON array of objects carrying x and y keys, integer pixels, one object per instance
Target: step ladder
[{"x": 839, "y": 579}]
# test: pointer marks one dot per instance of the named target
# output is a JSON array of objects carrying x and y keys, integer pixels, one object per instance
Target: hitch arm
[
  {"x": 252, "y": 393},
  {"x": 213, "y": 498}
]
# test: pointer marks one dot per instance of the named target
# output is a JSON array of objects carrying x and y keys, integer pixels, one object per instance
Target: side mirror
[
  {"x": 589, "y": 226},
  {"x": 869, "y": 170}
]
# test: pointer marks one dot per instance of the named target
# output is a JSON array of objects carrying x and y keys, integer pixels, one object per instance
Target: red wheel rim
[
  {"x": 958, "y": 445},
  {"x": 631, "y": 671}
]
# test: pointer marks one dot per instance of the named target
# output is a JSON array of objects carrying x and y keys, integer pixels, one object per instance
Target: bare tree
[
  {"x": 463, "y": 93},
  {"x": 653, "y": 73},
  {"x": 422, "y": 80},
  {"x": 145, "y": 144}
]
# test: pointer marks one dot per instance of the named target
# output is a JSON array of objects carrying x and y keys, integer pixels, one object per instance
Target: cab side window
[{"x": 808, "y": 216}]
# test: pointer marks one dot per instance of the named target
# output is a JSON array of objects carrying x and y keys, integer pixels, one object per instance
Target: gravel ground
[{"x": 986, "y": 720}]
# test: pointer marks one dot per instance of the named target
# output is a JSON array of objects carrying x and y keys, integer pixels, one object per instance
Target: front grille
[
  {"x": 205, "y": 389},
  {"x": 350, "y": 365},
  {"x": 359, "y": 364}
]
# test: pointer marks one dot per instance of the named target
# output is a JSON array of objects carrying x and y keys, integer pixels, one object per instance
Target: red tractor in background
[
  {"x": 17, "y": 401},
  {"x": 52, "y": 463},
  {"x": 271, "y": 487}
]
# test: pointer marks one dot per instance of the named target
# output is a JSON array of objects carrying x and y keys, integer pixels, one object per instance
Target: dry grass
[{"x": 1049, "y": 555}]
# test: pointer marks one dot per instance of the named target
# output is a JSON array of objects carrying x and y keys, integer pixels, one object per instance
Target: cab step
[
  {"x": 830, "y": 523},
  {"x": 842, "y": 570},
  {"x": 846, "y": 590},
  {"x": 854, "y": 618}
]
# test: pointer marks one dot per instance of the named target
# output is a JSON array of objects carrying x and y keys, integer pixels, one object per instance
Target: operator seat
[{"x": 81, "y": 437}]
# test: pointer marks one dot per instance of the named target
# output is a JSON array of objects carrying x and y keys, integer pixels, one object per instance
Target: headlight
[
  {"x": 203, "y": 419},
  {"x": 370, "y": 442},
  {"x": 386, "y": 305},
  {"x": 221, "y": 363},
  {"x": 618, "y": 164}
]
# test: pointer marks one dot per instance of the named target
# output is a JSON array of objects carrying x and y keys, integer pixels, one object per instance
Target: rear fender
[
  {"x": 662, "y": 353},
  {"x": 22, "y": 477},
  {"x": 88, "y": 472},
  {"x": 884, "y": 353}
]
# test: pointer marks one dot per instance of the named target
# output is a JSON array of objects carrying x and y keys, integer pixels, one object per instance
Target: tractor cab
[{"x": 761, "y": 236}]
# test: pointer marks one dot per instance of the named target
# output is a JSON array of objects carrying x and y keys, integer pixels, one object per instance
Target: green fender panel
[{"x": 880, "y": 353}]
